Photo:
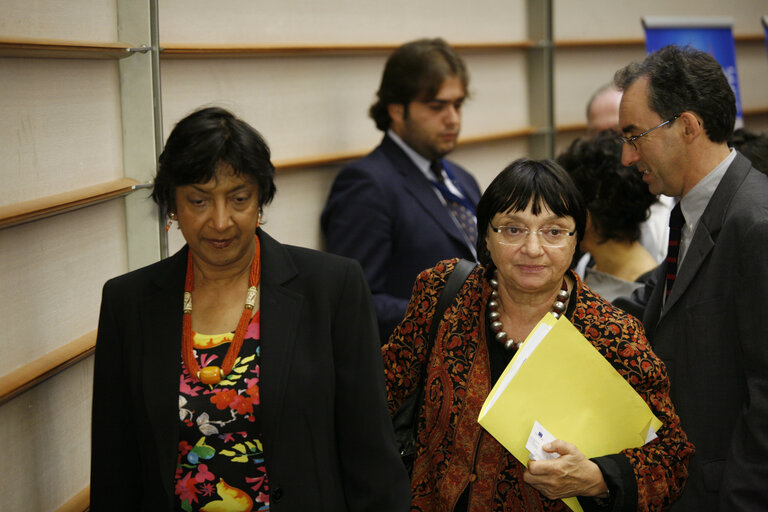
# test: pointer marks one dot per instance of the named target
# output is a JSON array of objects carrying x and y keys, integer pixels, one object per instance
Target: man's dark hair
[
  {"x": 753, "y": 146},
  {"x": 685, "y": 79},
  {"x": 615, "y": 196},
  {"x": 416, "y": 70},
  {"x": 541, "y": 182},
  {"x": 202, "y": 141}
]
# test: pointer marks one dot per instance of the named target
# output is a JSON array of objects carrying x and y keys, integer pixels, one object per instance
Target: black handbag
[{"x": 406, "y": 417}]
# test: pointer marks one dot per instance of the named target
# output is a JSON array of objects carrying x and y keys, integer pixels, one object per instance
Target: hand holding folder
[{"x": 560, "y": 380}]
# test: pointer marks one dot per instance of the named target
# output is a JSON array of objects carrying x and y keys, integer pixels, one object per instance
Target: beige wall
[{"x": 61, "y": 122}]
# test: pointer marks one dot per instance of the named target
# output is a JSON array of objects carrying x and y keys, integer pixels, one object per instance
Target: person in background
[
  {"x": 603, "y": 114},
  {"x": 603, "y": 110},
  {"x": 617, "y": 203},
  {"x": 753, "y": 146},
  {"x": 239, "y": 374},
  {"x": 404, "y": 206},
  {"x": 704, "y": 315},
  {"x": 530, "y": 220}
]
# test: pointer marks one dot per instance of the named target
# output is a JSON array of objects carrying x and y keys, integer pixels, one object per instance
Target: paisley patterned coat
[{"x": 454, "y": 451}]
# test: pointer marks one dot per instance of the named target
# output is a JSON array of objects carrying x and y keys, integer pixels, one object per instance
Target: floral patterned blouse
[{"x": 221, "y": 461}]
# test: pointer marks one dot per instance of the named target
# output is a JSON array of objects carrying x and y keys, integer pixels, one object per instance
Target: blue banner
[
  {"x": 765, "y": 27},
  {"x": 714, "y": 36}
]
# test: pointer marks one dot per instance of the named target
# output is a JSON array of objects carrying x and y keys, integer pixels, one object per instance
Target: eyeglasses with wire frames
[
  {"x": 631, "y": 140},
  {"x": 517, "y": 235}
]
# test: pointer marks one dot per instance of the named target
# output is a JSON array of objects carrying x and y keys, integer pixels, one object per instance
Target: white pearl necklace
[{"x": 558, "y": 308}]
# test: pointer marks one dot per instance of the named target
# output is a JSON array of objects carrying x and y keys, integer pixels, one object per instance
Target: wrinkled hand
[{"x": 571, "y": 474}]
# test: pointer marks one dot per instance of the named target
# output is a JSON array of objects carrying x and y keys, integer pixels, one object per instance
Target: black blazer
[
  {"x": 712, "y": 334},
  {"x": 327, "y": 436},
  {"x": 383, "y": 212}
]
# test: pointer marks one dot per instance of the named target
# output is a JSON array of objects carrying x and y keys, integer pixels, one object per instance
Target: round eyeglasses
[
  {"x": 517, "y": 235},
  {"x": 631, "y": 140}
]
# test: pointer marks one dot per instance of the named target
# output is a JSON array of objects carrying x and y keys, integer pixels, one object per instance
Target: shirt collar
[
  {"x": 696, "y": 200},
  {"x": 419, "y": 161}
]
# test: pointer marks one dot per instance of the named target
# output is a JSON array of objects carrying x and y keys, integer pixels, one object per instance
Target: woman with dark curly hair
[{"x": 617, "y": 203}]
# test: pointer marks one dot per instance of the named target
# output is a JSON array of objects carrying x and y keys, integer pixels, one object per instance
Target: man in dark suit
[
  {"x": 705, "y": 316},
  {"x": 403, "y": 207}
]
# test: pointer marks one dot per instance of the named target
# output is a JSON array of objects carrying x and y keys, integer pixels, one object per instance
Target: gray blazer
[
  {"x": 327, "y": 435},
  {"x": 712, "y": 334}
]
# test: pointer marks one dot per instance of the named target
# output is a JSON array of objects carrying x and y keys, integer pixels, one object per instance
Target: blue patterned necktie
[{"x": 463, "y": 215}]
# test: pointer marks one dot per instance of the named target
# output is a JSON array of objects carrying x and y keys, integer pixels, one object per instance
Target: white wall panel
[
  {"x": 79, "y": 20},
  {"x": 60, "y": 126},
  {"x": 303, "y": 106},
  {"x": 45, "y": 437},
  {"x": 499, "y": 93},
  {"x": 580, "y": 72},
  {"x": 620, "y": 19},
  {"x": 339, "y": 21},
  {"x": 309, "y": 107},
  {"x": 752, "y": 65},
  {"x": 485, "y": 161},
  {"x": 52, "y": 273},
  {"x": 294, "y": 215}
]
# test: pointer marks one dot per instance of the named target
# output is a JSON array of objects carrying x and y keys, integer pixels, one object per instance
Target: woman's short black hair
[
  {"x": 202, "y": 141},
  {"x": 523, "y": 182},
  {"x": 616, "y": 197}
]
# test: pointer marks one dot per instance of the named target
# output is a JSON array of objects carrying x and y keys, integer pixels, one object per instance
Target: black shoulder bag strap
[
  {"x": 460, "y": 274},
  {"x": 407, "y": 439}
]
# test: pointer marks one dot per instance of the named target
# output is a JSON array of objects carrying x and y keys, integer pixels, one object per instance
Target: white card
[{"x": 538, "y": 438}]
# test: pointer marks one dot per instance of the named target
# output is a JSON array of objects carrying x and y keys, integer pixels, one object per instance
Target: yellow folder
[{"x": 560, "y": 380}]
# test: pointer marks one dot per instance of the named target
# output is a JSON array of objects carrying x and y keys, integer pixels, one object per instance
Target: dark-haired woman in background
[
  {"x": 617, "y": 202},
  {"x": 239, "y": 374},
  {"x": 752, "y": 145}
]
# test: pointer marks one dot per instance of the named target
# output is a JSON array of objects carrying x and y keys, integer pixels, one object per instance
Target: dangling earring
[{"x": 171, "y": 218}]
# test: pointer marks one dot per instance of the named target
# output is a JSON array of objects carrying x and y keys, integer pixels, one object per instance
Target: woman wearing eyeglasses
[{"x": 530, "y": 221}]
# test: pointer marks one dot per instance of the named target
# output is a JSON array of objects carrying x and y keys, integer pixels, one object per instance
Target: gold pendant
[{"x": 210, "y": 375}]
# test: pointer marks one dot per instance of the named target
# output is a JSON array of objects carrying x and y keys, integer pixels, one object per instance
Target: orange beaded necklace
[{"x": 214, "y": 374}]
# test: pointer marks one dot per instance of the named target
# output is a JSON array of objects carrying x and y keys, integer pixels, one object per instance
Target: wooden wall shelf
[
  {"x": 567, "y": 44},
  {"x": 79, "y": 502},
  {"x": 196, "y": 51},
  {"x": 56, "y": 49},
  {"x": 63, "y": 49},
  {"x": 45, "y": 367},
  {"x": 345, "y": 156},
  {"x": 35, "y": 209}
]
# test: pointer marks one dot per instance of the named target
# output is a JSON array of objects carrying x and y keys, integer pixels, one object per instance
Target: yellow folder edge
[{"x": 558, "y": 378}]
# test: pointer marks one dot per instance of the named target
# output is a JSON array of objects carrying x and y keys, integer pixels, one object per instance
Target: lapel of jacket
[
  {"x": 161, "y": 319},
  {"x": 280, "y": 313},
  {"x": 421, "y": 189},
  {"x": 705, "y": 236}
]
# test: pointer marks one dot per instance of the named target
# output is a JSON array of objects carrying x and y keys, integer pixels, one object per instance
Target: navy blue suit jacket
[{"x": 383, "y": 212}]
